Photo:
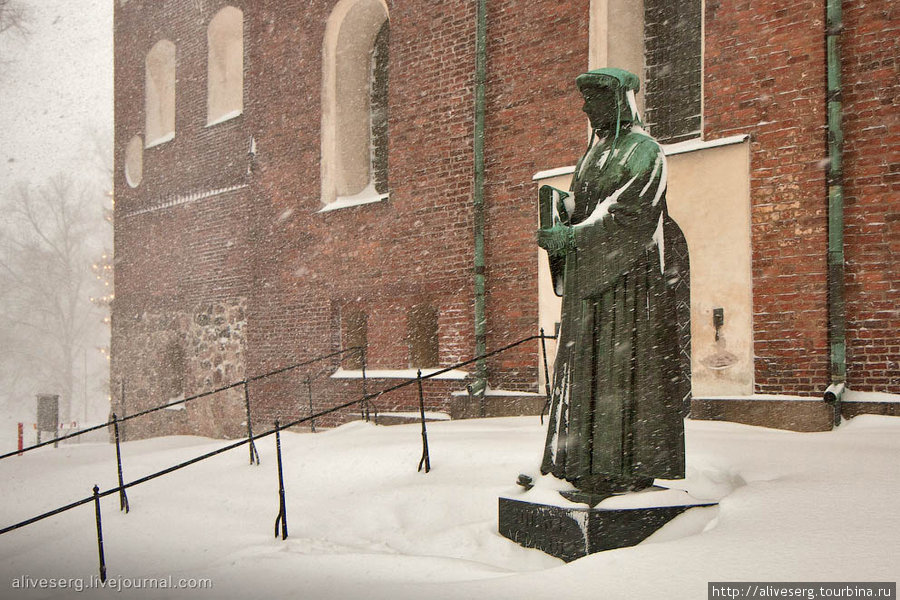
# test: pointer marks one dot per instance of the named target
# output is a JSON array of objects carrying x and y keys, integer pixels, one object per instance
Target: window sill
[
  {"x": 160, "y": 141},
  {"x": 668, "y": 149},
  {"x": 503, "y": 393},
  {"x": 351, "y": 201},
  {"x": 699, "y": 144},
  {"x": 226, "y": 117}
]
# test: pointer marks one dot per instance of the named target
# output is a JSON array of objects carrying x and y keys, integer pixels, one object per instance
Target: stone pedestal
[{"x": 572, "y": 532}]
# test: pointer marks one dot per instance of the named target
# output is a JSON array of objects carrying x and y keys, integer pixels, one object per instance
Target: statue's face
[{"x": 600, "y": 106}]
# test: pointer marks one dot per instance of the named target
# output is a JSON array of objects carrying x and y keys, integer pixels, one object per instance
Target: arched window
[
  {"x": 354, "y": 103},
  {"x": 225, "y": 66},
  {"x": 159, "y": 94},
  {"x": 134, "y": 161}
]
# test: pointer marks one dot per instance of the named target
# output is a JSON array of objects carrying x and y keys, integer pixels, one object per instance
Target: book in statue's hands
[
  {"x": 552, "y": 206},
  {"x": 553, "y": 211}
]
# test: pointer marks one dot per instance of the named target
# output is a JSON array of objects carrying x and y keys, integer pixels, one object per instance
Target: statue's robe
[{"x": 619, "y": 387}]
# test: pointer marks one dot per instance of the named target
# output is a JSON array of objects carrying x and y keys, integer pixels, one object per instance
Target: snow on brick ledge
[{"x": 397, "y": 374}]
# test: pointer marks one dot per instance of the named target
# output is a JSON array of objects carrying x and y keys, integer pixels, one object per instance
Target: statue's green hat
[{"x": 615, "y": 79}]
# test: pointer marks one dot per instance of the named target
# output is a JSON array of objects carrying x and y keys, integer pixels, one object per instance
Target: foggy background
[{"x": 56, "y": 135}]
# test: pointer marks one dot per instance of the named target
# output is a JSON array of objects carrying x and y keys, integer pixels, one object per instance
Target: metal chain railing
[
  {"x": 281, "y": 519},
  {"x": 241, "y": 383}
]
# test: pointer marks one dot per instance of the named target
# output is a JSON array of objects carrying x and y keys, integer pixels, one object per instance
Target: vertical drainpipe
[
  {"x": 480, "y": 384},
  {"x": 836, "y": 316}
]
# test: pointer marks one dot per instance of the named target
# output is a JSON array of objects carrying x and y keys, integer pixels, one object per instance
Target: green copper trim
[{"x": 836, "y": 305}]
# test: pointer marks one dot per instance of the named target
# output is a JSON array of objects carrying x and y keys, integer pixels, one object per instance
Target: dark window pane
[
  {"x": 356, "y": 334},
  {"x": 378, "y": 103},
  {"x": 672, "y": 80},
  {"x": 422, "y": 326}
]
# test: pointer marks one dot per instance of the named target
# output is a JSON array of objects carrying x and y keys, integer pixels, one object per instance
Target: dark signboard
[{"x": 47, "y": 412}]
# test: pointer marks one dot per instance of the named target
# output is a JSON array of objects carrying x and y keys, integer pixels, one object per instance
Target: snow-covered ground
[{"x": 364, "y": 524}]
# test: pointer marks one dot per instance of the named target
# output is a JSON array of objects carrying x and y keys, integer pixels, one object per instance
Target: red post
[{"x": 21, "y": 434}]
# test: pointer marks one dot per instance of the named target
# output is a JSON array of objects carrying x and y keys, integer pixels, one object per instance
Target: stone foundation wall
[{"x": 172, "y": 355}]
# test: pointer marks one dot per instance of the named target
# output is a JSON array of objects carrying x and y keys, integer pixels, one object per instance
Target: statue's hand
[{"x": 557, "y": 241}]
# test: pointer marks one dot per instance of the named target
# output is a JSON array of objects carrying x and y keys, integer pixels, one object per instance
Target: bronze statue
[{"x": 619, "y": 385}]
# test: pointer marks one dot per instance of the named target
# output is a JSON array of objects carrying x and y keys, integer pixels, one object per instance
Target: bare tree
[
  {"x": 103, "y": 268},
  {"x": 12, "y": 16},
  {"x": 46, "y": 278},
  {"x": 13, "y": 20}
]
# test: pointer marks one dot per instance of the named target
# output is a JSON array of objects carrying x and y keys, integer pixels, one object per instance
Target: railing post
[
  {"x": 281, "y": 519},
  {"x": 312, "y": 422},
  {"x": 374, "y": 408},
  {"x": 99, "y": 533},
  {"x": 124, "y": 410},
  {"x": 365, "y": 390},
  {"x": 123, "y": 498},
  {"x": 425, "y": 460},
  {"x": 546, "y": 376},
  {"x": 253, "y": 453}
]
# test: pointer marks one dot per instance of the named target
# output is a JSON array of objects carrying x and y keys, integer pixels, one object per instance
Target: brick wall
[
  {"x": 764, "y": 75},
  {"x": 417, "y": 247},
  {"x": 211, "y": 225},
  {"x": 380, "y": 258},
  {"x": 183, "y": 235},
  {"x": 533, "y": 122},
  {"x": 301, "y": 268},
  {"x": 871, "y": 87}
]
